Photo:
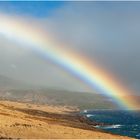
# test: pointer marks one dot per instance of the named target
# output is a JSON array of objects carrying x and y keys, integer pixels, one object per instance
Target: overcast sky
[{"x": 106, "y": 32}]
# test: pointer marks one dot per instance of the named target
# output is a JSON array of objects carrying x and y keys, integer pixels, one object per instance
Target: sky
[{"x": 105, "y": 32}]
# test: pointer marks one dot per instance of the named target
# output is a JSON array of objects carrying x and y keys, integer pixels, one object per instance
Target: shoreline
[
  {"x": 100, "y": 125},
  {"x": 26, "y": 121}
]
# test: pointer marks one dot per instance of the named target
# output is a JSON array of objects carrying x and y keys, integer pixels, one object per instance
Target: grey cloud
[
  {"x": 107, "y": 33},
  {"x": 23, "y": 64}
]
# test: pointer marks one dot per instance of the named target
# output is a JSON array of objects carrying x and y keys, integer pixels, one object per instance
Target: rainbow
[{"x": 33, "y": 37}]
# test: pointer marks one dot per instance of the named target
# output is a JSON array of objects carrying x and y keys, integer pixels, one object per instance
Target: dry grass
[{"x": 21, "y": 120}]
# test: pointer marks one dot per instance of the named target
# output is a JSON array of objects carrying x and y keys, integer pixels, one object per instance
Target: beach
[{"x": 35, "y": 121}]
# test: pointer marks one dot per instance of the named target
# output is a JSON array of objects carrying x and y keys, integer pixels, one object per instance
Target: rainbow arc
[{"x": 31, "y": 36}]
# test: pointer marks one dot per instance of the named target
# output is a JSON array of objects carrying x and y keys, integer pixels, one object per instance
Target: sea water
[{"x": 120, "y": 122}]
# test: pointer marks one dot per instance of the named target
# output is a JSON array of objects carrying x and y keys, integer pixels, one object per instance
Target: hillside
[
  {"x": 81, "y": 100},
  {"x": 23, "y": 120}
]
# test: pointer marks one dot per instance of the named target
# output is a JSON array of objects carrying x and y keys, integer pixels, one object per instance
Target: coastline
[{"x": 30, "y": 121}]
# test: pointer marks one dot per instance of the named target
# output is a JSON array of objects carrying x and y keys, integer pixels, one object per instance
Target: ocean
[{"x": 126, "y": 123}]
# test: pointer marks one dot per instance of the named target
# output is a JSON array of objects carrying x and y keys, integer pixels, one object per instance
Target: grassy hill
[
  {"x": 82, "y": 100},
  {"x": 11, "y": 89}
]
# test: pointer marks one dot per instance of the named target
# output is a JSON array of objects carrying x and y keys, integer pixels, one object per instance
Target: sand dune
[{"x": 23, "y": 120}]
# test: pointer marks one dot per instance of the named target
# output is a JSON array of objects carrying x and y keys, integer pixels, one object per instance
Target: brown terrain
[{"x": 24, "y": 120}]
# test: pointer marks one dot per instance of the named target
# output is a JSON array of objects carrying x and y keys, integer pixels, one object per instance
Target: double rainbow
[{"x": 16, "y": 29}]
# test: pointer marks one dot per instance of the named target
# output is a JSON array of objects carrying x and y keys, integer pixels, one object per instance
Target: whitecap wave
[
  {"x": 85, "y": 111},
  {"x": 109, "y": 126},
  {"x": 112, "y": 126},
  {"x": 89, "y": 115}
]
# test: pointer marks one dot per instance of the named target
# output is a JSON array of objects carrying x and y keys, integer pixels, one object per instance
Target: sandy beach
[{"x": 25, "y": 121}]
